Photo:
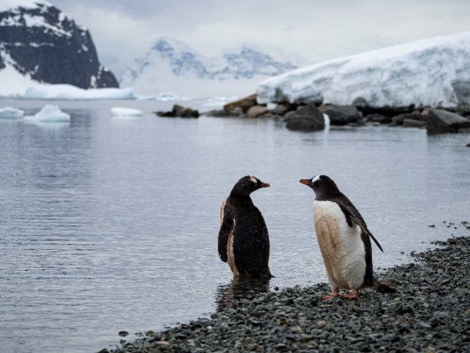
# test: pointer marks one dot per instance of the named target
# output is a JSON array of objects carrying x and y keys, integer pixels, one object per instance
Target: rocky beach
[{"x": 429, "y": 312}]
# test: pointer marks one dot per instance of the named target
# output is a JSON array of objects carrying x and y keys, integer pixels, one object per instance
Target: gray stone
[
  {"x": 442, "y": 121},
  {"x": 244, "y": 104},
  {"x": 305, "y": 118},
  {"x": 400, "y": 118},
  {"x": 341, "y": 114},
  {"x": 280, "y": 109},
  {"x": 413, "y": 123},
  {"x": 179, "y": 111},
  {"x": 378, "y": 118},
  {"x": 256, "y": 111}
]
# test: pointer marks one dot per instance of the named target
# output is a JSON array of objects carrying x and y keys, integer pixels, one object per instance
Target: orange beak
[{"x": 305, "y": 181}]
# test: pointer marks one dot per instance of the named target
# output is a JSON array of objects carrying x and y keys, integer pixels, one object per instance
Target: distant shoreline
[{"x": 429, "y": 313}]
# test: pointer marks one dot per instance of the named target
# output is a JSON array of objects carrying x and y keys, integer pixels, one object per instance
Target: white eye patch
[
  {"x": 316, "y": 178},
  {"x": 253, "y": 180}
]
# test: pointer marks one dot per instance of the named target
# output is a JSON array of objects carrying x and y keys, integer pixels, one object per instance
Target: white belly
[
  {"x": 230, "y": 253},
  {"x": 341, "y": 246}
]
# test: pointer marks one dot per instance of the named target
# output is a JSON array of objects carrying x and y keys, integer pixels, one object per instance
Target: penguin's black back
[
  {"x": 250, "y": 238},
  {"x": 243, "y": 236}
]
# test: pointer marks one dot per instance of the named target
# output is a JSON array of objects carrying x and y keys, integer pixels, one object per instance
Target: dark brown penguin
[
  {"x": 343, "y": 237},
  {"x": 243, "y": 235}
]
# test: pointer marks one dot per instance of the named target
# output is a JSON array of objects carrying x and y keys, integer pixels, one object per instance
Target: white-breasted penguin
[
  {"x": 343, "y": 238},
  {"x": 243, "y": 235}
]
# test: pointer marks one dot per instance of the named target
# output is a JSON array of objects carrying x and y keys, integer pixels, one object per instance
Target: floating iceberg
[
  {"x": 433, "y": 72},
  {"x": 126, "y": 112},
  {"x": 64, "y": 91},
  {"x": 49, "y": 113},
  {"x": 11, "y": 113}
]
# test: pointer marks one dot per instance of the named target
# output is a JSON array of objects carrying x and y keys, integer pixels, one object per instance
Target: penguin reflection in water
[
  {"x": 343, "y": 237},
  {"x": 243, "y": 235}
]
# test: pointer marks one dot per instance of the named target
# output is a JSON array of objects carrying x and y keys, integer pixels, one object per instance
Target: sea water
[{"x": 111, "y": 225}]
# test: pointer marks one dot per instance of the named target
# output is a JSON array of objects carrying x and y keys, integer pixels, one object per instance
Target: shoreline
[{"x": 430, "y": 312}]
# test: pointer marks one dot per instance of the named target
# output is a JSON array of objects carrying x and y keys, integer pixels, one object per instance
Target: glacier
[
  {"x": 16, "y": 85},
  {"x": 434, "y": 72}
]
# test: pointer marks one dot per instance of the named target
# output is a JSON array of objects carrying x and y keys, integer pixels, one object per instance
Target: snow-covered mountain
[
  {"x": 433, "y": 72},
  {"x": 171, "y": 65},
  {"x": 39, "y": 43}
]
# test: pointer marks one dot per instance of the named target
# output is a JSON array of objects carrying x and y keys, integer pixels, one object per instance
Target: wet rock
[
  {"x": 280, "y": 109},
  {"x": 413, "y": 123},
  {"x": 305, "y": 118},
  {"x": 241, "y": 105},
  {"x": 414, "y": 116},
  {"x": 256, "y": 111},
  {"x": 341, "y": 114},
  {"x": 378, "y": 118},
  {"x": 179, "y": 111},
  {"x": 220, "y": 113},
  {"x": 442, "y": 121}
]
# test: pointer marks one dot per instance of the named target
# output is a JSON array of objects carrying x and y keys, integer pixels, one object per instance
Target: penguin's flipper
[
  {"x": 226, "y": 227},
  {"x": 367, "y": 231},
  {"x": 354, "y": 217}
]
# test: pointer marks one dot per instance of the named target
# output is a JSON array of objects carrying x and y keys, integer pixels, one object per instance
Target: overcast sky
[{"x": 309, "y": 30}]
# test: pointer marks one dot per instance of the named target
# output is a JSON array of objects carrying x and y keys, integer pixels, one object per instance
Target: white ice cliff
[{"x": 433, "y": 72}]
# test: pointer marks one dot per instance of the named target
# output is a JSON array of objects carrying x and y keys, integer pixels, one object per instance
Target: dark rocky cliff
[{"x": 43, "y": 43}]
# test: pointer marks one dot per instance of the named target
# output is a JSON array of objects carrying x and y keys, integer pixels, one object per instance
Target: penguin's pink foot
[
  {"x": 354, "y": 294},
  {"x": 334, "y": 293}
]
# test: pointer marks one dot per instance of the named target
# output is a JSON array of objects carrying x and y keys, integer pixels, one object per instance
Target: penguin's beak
[
  {"x": 264, "y": 185},
  {"x": 307, "y": 182}
]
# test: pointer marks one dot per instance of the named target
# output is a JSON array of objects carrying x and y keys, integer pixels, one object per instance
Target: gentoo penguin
[
  {"x": 243, "y": 235},
  {"x": 343, "y": 238}
]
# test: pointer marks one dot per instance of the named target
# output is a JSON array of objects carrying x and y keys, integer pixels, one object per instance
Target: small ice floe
[
  {"x": 49, "y": 113},
  {"x": 170, "y": 96},
  {"x": 121, "y": 112},
  {"x": 9, "y": 113}
]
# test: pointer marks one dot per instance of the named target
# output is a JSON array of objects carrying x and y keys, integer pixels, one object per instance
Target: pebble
[{"x": 427, "y": 313}]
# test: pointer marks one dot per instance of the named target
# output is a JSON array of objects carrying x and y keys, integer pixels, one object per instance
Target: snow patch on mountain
[{"x": 6, "y": 5}]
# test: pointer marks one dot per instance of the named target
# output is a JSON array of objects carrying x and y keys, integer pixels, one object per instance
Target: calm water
[{"x": 111, "y": 224}]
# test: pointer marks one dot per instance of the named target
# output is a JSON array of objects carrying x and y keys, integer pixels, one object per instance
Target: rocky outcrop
[
  {"x": 309, "y": 117},
  {"x": 441, "y": 121},
  {"x": 179, "y": 111},
  {"x": 245, "y": 107},
  {"x": 41, "y": 42}
]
